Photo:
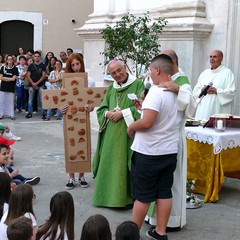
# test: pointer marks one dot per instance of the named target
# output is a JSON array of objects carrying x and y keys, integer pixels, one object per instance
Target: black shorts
[{"x": 152, "y": 176}]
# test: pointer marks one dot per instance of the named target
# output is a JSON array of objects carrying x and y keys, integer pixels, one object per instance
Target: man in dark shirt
[{"x": 36, "y": 75}]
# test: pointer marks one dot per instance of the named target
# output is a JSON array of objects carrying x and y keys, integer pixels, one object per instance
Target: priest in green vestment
[{"x": 111, "y": 163}]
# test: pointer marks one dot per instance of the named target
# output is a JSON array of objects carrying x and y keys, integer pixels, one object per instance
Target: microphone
[
  {"x": 147, "y": 87},
  {"x": 204, "y": 91}
]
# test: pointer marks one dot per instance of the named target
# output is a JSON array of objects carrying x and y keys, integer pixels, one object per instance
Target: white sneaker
[{"x": 16, "y": 138}]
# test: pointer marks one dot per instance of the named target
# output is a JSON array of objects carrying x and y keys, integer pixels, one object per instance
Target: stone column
[
  {"x": 233, "y": 49},
  {"x": 186, "y": 31}
]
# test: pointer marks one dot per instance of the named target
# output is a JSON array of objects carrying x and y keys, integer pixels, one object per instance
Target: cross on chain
[{"x": 77, "y": 131}]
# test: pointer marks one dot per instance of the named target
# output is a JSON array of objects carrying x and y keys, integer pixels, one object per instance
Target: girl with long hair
[
  {"x": 75, "y": 64},
  {"x": 5, "y": 191},
  {"x": 96, "y": 228},
  {"x": 60, "y": 224},
  {"x": 20, "y": 204}
]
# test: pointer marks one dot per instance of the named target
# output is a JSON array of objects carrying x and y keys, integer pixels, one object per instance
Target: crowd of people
[
  {"x": 140, "y": 161},
  {"x": 24, "y": 76},
  {"x": 18, "y": 220}
]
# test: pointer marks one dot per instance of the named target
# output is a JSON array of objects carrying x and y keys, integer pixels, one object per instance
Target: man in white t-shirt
[
  {"x": 155, "y": 149},
  {"x": 63, "y": 57}
]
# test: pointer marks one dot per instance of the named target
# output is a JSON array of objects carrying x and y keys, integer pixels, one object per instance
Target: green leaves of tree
[{"x": 133, "y": 38}]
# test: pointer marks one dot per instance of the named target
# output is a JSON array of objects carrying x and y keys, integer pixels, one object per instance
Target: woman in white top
[
  {"x": 55, "y": 82},
  {"x": 20, "y": 204},
  {"x": 60, "y": 224}
]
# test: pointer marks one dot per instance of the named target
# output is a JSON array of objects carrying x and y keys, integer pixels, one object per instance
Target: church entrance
[{"x": 15, "y": 34}]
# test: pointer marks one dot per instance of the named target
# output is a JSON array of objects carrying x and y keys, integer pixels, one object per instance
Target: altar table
[{"x": 212, "y": 155}]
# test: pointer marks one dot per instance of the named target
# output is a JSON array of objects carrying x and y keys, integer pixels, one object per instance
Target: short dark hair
[
  {"x": 164, "y": 62},
  {"x": 70, "y": 49},
  {"x": 22, "y": 57},
  {"x": 3, "y": 146},
  {"x": 37, "y": 52},
  {"x": 20, "y": 228}
]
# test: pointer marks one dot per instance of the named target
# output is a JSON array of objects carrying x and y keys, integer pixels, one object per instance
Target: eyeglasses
[{"x": 119, "y": 70}]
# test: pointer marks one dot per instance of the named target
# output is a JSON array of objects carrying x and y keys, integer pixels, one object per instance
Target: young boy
[
  {"x": 4, "y": 167},
  {"x": 155, "y": 149},
  {"x": 6, "y": 133},
  {"x": 20, "y": 229},
  {"x": 4, "y": 151}
]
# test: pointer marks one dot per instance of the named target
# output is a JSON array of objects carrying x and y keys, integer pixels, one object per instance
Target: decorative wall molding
[{"x": 32, "y": 17}]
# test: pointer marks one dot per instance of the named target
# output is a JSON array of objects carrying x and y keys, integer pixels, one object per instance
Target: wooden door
[{"x": 15, "y": 34}]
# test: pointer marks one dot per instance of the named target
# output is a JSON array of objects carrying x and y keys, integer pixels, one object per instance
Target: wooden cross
[{"x": 77, "y": 133}]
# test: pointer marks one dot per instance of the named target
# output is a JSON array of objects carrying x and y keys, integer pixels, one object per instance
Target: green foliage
[{"x": 133, "y": 38}]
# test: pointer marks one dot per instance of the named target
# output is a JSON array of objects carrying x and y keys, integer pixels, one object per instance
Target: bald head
[
  {"x": 216, "y": 57},
  {"x": 172, "y": 54}
]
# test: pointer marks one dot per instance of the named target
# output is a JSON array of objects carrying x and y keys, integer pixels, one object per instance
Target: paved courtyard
[{"x": 41, "y": 153}]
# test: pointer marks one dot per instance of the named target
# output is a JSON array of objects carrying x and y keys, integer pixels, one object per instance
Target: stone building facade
[
  {"x": 48, "y": 25},
  {"x": 194, "y": 29}
]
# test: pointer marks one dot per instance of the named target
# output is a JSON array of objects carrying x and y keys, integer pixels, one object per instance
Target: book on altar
[{"x": 231, "y": 120}]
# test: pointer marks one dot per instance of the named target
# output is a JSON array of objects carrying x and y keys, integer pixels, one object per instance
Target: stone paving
[{"x": 40, "y": 152}]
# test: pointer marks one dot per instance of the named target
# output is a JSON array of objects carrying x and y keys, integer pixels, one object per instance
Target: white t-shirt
[
  {"x": 162, "y": 138},
  {"x": 5, "y": 207},
  {"x": 3, "y": 226},
  {"x": 91, "y": 82},
  {"x": 2, "y": 168}
]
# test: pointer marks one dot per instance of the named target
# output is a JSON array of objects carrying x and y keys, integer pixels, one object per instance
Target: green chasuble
[
  {"x": 181, "y": 80},
  {"x": 112, "y": 160}
]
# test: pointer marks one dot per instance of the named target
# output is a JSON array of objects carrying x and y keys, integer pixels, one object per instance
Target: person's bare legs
[
  {"x": 139, "y": 212},
  {"x": 163, "y": 210},
  {"x": 71, "y": 175},
  {"x": 81, "y": 175}
]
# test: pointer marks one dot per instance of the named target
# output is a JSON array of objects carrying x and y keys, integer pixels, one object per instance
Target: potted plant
[
  {"x": 134, "y": 40},
  {"x": 191, "y": 199}
]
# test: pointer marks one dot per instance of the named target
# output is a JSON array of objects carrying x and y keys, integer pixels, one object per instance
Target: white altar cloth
[{"x": 230, "y": 138}]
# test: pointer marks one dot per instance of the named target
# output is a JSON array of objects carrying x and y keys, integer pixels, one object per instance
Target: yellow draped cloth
[{"x": 209, "y": 169}]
